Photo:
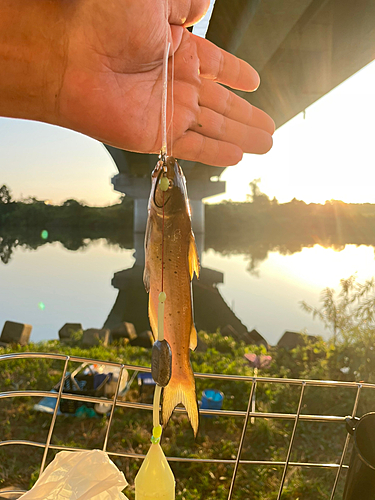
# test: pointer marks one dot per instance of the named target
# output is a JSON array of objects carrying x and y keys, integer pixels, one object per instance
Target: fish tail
[{"x": 181, "y": 391}]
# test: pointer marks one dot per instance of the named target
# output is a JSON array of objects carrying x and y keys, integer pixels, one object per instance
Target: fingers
[
  {"x": 220, "y": 141},
  {"x": 222, "y": 126},
  {"x": 224, "y": 102},
  {"x": 196, "y": 147},
  {"x": 249, "y": 139},
  {"x": 187, "y": 12},
  {"x": 222, "y": 67}
]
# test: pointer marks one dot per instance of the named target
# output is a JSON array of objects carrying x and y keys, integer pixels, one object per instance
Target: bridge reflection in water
[{"x": 210, "y": 309}]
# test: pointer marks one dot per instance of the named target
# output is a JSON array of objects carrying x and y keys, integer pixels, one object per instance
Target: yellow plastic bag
[{"x": 79, "y": 475}]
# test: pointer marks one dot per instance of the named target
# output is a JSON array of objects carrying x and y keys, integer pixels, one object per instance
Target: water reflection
[
  {"x": 256, "y": 229},
  {"x": 71, "y": 240},
  {"x": 227, "y": 241},
  {"x": 76, "y": 285},
  {"x": 210, "y": 309}
]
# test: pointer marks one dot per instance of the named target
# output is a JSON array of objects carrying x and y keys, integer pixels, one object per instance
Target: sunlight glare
[
  {"x": 328, "y": 155},
  {"x": 325, "y": 267}
]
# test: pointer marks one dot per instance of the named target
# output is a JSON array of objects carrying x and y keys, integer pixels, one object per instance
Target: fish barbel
[{"x": 180, "y": 262}]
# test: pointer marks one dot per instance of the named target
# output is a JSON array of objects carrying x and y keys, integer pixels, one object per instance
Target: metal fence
[{"x": 253, "y": 382}]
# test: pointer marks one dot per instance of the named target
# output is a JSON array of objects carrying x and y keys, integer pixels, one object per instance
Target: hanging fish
[{"x": 179, "y": 253}]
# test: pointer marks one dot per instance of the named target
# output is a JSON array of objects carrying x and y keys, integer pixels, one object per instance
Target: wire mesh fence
[{"x": 253, "y": 384}]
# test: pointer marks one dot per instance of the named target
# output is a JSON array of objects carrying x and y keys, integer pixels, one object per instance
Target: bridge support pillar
[
  {"x": 138, "y": 188},
  {"x": 140, "y": 214}
]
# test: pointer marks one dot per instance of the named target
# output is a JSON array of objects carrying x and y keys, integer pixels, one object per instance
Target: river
[{"x": 52, "y": 285}]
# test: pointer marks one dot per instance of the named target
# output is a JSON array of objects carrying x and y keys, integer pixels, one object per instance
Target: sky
[{"x": 326, "y": 154}]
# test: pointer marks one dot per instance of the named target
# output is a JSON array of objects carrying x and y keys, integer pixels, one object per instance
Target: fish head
[{"x": 174, "y": 198}]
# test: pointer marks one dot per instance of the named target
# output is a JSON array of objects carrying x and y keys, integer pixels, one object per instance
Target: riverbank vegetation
[
  {"x": 31, "y": 223},
  {"x": 42, "y": 215},
  {"x": 253, "y": 228},
  {"x": 350, "y": 358},
  {"x": 261, "y": 225}
]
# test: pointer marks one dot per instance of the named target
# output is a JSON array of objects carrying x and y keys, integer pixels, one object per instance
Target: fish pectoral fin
[
  {"x": 193, "y": 338},
  {"x": 148, "y": 230},
  {"x": 153, "y": 317},
  {"x": 194, "y": 265},
  {"x": 146, "y": 278},
  {"x": 146, "y": 272}
]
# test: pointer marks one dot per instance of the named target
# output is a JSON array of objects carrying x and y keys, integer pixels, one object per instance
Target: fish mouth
[{"x": 156, "y": 187}]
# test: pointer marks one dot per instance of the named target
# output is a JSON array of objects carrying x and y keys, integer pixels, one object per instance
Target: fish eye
[{"x": 171, "y": 184}]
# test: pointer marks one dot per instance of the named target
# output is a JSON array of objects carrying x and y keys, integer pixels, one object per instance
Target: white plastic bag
[{"x": 79, "y": 475}]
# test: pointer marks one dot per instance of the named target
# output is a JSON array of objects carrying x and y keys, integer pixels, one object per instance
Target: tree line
[{"x": 255, "y": 227}]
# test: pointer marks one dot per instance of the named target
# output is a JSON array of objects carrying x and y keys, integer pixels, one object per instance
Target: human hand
[{"x": 108, "y": 84}]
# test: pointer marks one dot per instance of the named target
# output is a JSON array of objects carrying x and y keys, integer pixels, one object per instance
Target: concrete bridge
[{"x": 302, "y": 49}]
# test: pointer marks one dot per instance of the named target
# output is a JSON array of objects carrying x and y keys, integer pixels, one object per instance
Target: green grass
[{"x": 218, "y": 437}]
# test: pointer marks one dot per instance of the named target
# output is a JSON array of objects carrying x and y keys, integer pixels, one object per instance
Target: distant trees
[
  {"x": 262, "y": 225},
  {"x": 22, "y": 223},
  {"x": 72, "y": 203},
  {"x": 257, "y": 197},
  {"x": 5, "y": 196},
  {"x": 6, "y": 248},
  {"x": 39, "y": 214},
  {"x": 6, "y": 209}
]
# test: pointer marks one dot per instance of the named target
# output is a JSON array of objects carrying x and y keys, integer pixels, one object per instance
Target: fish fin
[
  {"x": 193, "y": 338},
  {"x": 194, "y": 265},
  {"x": 153, "y": 317},
  {"x": 146, "y": 272},
  {"x": 148, "y": 230},
  {"x": 146, "y": 278},
  {"x": 181, "y": 391}
]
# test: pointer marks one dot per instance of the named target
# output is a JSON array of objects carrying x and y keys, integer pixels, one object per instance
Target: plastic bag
[{"x": 79, "y": 475}]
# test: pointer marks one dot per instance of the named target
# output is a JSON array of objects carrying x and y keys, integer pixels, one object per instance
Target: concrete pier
[{"x": 134, "y": 180}]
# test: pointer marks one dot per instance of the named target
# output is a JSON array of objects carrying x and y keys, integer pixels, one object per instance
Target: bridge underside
[{"x": 301, "y": 48}]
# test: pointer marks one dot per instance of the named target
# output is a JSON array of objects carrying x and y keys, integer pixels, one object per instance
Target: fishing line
[
  {"x": 156, "y": 433},
  {"x": 170, "y": 126},
  {"x": 164, "y": 146},
  {"x": 162, "y": 249},
  {"x": 165, "y": 85},
  {"x": 165, "y": 129},
  {"x": 165, "y": 98}
]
